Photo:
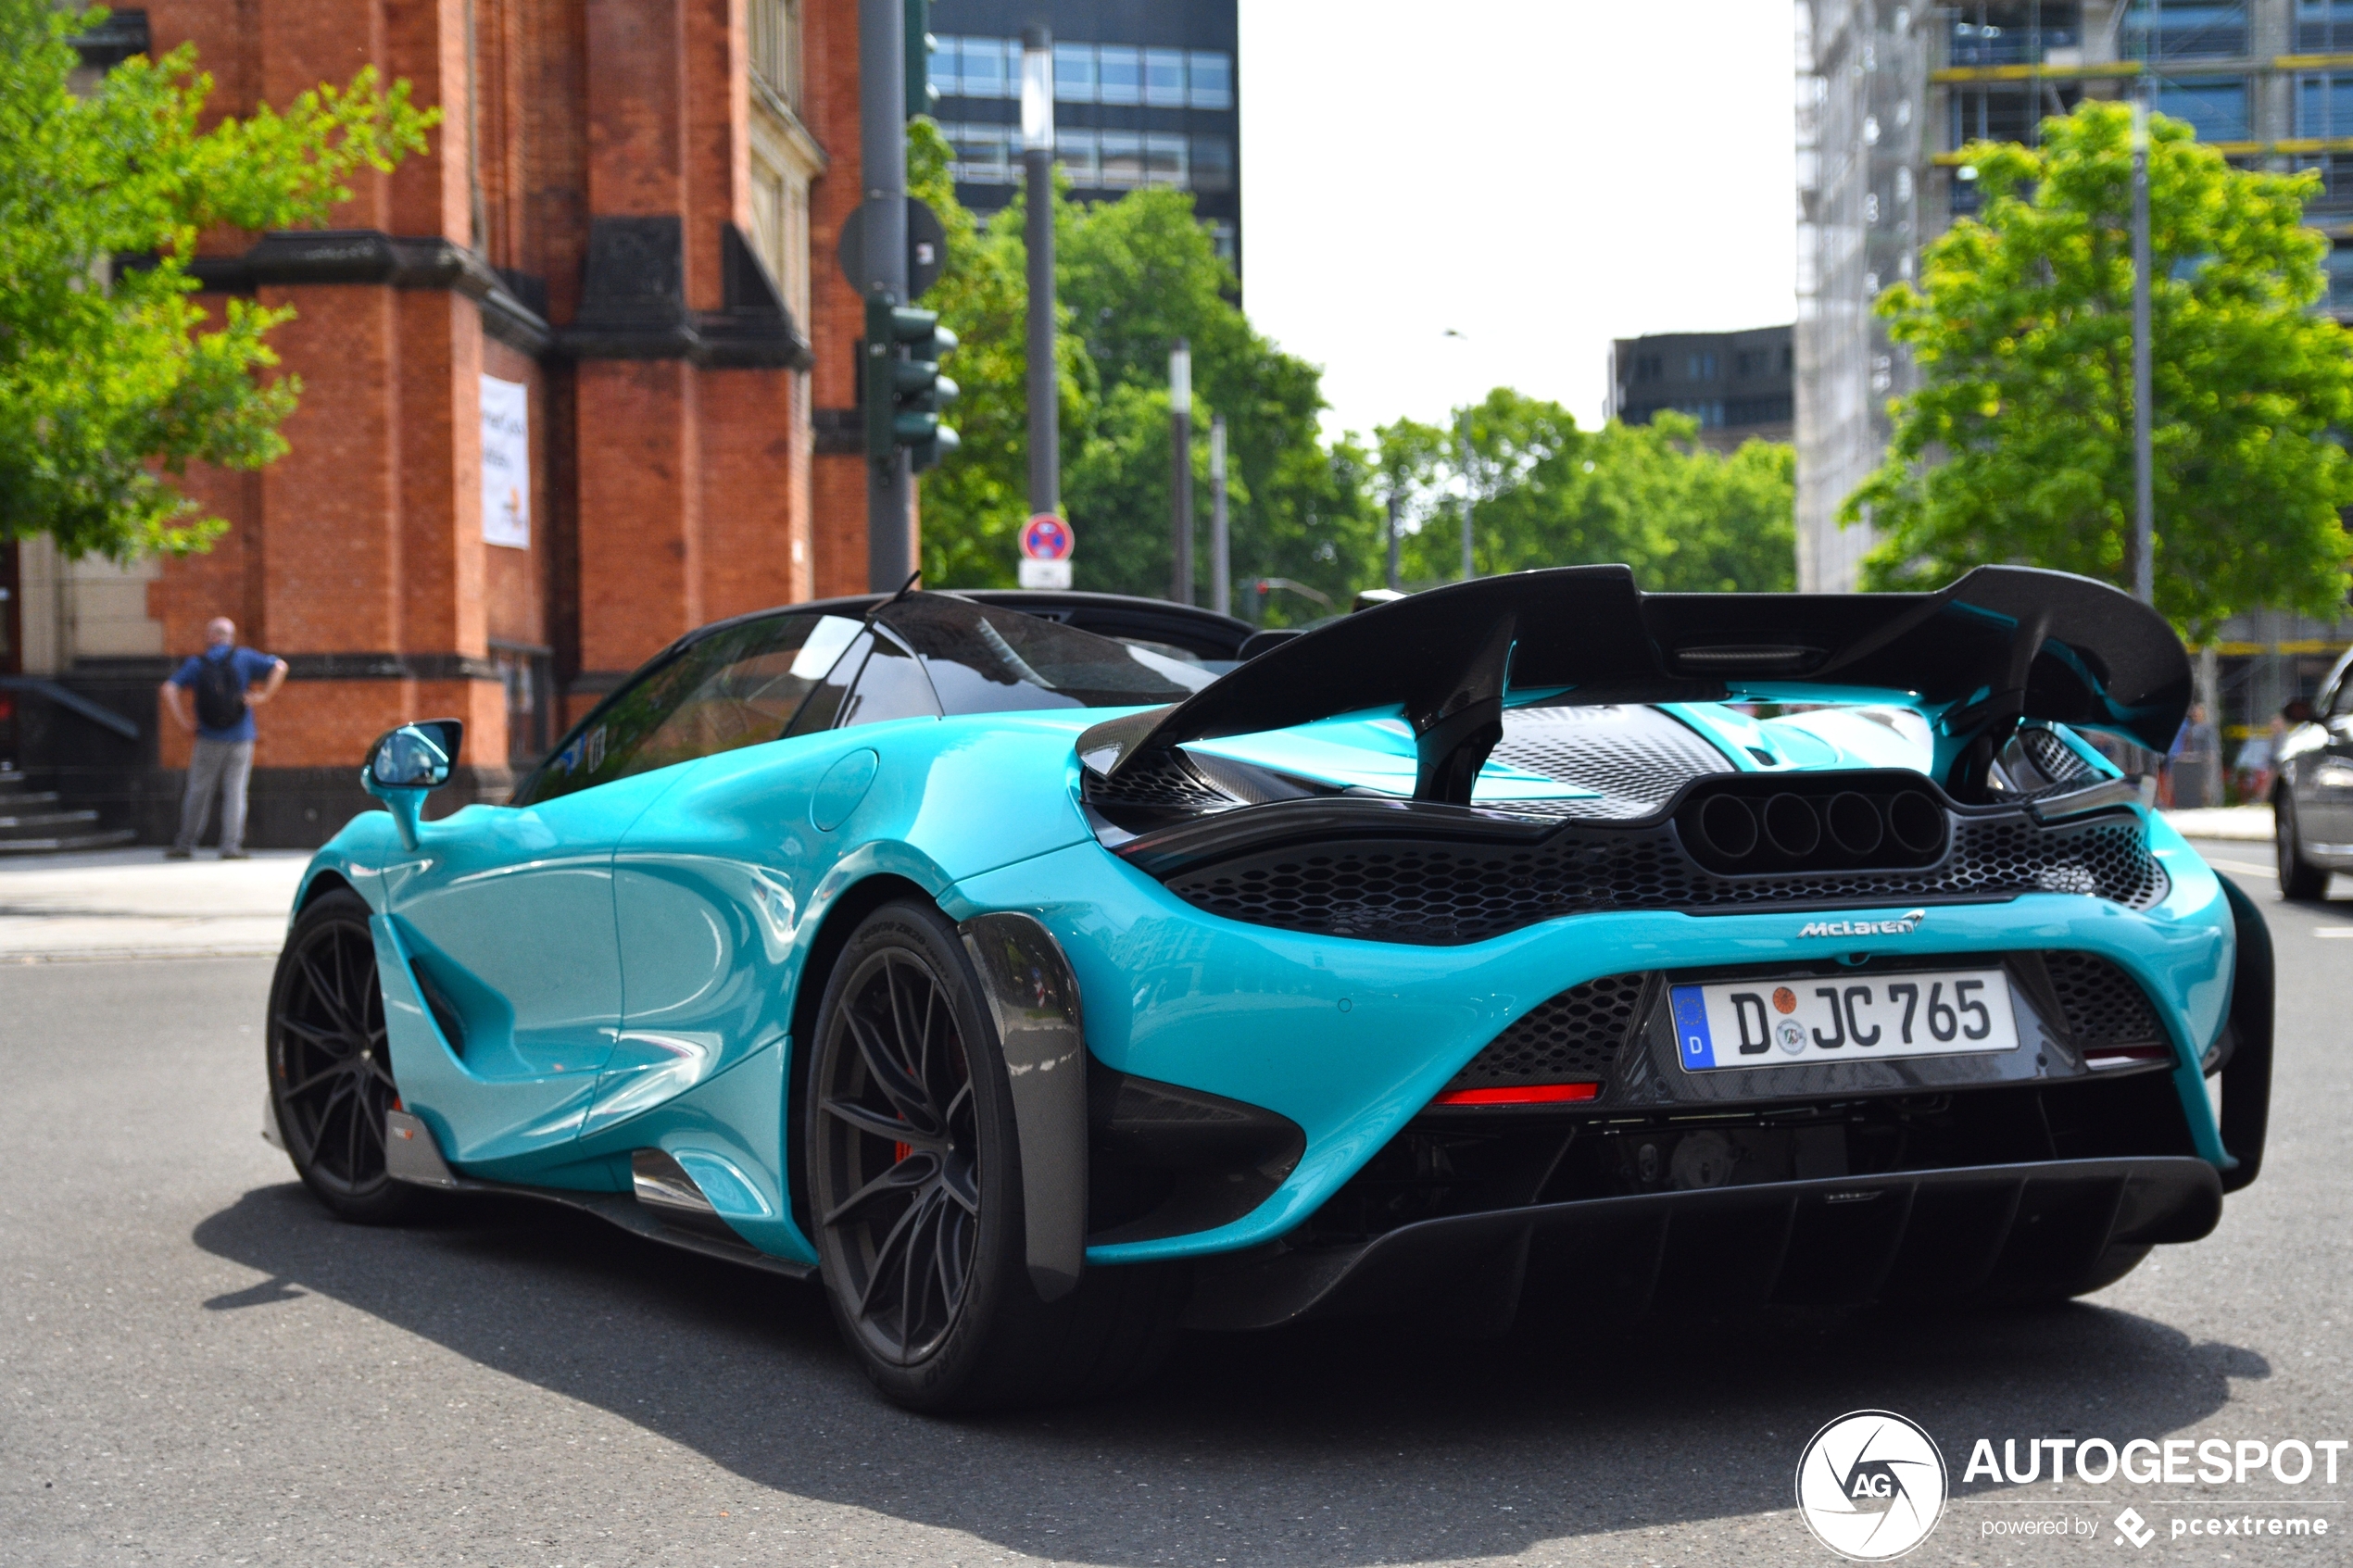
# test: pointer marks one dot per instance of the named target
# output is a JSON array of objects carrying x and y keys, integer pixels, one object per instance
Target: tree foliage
[
  {"x": 2018, "y": 445},
  {"x": 110, "y": 382},
  {"x": 1545, "y": 493},
  {"x": 1132, "y": 276}
]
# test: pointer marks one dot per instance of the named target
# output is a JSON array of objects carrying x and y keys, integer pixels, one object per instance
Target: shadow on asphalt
[{"x": 1422, "y": 1440}]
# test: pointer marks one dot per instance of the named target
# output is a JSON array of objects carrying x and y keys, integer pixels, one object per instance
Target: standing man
[{"x": 222, "y": 680}]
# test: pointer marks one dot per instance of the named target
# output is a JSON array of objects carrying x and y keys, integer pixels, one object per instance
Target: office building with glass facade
[
  {"x": 1144, "y": 97},
  {"x": 1736, "y": 384},
  {"x": 1889, "y": 93}
]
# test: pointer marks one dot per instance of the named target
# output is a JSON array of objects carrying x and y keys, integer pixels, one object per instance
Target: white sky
[{"x": 1540, "y": 177}]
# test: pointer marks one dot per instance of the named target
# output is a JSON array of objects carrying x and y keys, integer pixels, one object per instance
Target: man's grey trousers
[{"x": 223, "y": 766}]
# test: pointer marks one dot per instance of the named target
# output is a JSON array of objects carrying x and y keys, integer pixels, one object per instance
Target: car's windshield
[{"x": 984, "y": 659}]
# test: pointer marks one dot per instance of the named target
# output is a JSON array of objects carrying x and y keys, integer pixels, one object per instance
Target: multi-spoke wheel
[
  {"x": 914, "y": 1190},
  {"x": 330, "y": 1071},
  {"x": 899, "y": 1194}
]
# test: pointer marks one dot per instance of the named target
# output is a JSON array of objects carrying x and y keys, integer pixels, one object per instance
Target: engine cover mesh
[{"x": 1636, "y": 758}]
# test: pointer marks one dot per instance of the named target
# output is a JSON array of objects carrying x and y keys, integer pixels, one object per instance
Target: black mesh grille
[
  {"x": 2103, "y": 1004},
  {"x": 2053, "y": 757},
  {"x": 1573, "y": 1037},
  {"x": 1160, "y": 781},
  {"x": 1393, "y": 891},
  {"x": 1636, "y": 758}
]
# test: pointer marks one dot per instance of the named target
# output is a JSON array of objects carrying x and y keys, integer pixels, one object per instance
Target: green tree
[
  {"x": 2018, "y": 445},
  {"x": 110, "y": 384},
  {"x": 1132, "y": 276},
  {"x": 1545, "y": 493}
]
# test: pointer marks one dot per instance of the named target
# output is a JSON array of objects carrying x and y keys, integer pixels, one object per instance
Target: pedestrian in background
[
  {"x": 2191, "y": 765},
  {"x": 220, "y": 681}
]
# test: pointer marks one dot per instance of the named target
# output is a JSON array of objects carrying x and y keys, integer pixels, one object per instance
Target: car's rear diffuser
[{"x": 1932, "y": 1236}]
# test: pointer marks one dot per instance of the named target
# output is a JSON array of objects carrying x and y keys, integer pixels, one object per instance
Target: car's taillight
[{"x": 1521, "y": 1093}]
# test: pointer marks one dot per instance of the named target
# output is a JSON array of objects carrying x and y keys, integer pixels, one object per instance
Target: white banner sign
[{"x": 506, "y": 463}]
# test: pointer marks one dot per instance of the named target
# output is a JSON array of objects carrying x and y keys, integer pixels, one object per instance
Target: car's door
[
  {"x": 506, "y": 916},
  {"x": 707, "y": 896}
]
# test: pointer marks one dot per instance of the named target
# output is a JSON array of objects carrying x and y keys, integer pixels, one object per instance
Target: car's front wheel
[
  {"x": 2300, "y": 878},
  {"x": 329, "y": 1064},
  {"x": 915, "y": 1188}
]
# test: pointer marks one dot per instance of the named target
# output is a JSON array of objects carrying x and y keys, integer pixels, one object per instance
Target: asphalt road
[{"x": 196, "y": 1365}]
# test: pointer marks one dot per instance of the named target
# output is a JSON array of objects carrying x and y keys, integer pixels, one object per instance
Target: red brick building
[{"x": 574, "y": 381}]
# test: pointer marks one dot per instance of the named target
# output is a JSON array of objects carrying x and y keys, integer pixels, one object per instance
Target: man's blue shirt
[{"x": 251, "y": 666}]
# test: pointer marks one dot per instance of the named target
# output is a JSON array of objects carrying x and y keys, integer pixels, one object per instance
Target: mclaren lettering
[{"x": 1902, "y": 925}]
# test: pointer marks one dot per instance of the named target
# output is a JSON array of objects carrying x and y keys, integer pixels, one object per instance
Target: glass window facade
[
  {"x": 2324, "y": 26},
  {"x": 2003, "y": 32},
  {"x": 2324, "y": 105},
  {"x": 2185, "y": 29},
  {"x": 2339, "y": 298},
  {"x": 2216, "y": 109},
  {"x": 1213, "y": 164},
  {"x": 964, "y": 67}
]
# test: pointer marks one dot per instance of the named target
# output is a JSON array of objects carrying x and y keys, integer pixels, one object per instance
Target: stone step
[
  {"x": 21, "y": 801},
  {"x": 41, "y": 824},
  {"x": 69, "y": 843}
]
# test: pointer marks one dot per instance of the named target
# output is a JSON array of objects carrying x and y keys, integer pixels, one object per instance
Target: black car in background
[{"x": 2313, "y": 796}]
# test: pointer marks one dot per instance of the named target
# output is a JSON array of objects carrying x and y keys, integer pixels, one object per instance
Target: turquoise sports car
[{"x": 1532, "y": 945}]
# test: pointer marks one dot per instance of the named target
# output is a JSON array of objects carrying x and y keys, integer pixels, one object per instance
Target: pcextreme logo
[
  {"x": 1871, "y": 1485},
  {"x": 1902, "y": 925}
]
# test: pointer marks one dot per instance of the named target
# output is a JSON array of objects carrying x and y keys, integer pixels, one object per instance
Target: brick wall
[{"x": 668, "y": 487}]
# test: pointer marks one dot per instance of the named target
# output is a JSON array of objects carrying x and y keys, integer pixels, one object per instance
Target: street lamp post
[
  {"x": 2144, "y": 460},
  {"x": 882, "y": 148},
  {"x": 1180, "y": 473},
  {"x": 1038, "y": 164},
  {"x": 1463, "y": 447},
  {"x": 1221, "y": 555}
]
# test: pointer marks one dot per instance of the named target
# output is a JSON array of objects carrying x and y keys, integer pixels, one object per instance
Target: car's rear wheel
[
  {"x": 329, "y": 1068},
  {"x": 914, "y": 1181},
  {"x": 2300, "y": 878}
]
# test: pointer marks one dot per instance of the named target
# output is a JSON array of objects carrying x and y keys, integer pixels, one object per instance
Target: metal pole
[
  {"x": 1221, "y": 565},
  {"x": 2143, "y": 459},
  {"x": 882, "y": 153},
  {"x": 1392, "y": 540},
  {"x": 1463, "y": 447},
  {"x": 1180, "y": 473},
  {"x": 1038, "y": 235}
]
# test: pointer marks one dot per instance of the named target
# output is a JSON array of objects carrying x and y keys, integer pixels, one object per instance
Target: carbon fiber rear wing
[{"x": 2003, "y": 644}]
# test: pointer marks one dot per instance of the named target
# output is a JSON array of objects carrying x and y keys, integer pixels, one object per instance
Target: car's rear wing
[{"x": 2003, "y": 644}]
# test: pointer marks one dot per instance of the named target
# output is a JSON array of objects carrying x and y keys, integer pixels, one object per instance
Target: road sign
[
  {"x": 1046, "y": 574},
  {"x": 927, "y": 248},
  {"x": 1045, "y": 537}
]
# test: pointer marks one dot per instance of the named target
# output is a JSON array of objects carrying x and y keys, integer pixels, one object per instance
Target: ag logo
[{"x": 1870, "y": 1486}]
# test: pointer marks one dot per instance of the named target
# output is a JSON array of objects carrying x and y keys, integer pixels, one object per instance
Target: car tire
[
  {"x": 913, "y": 1175},
  {"x": 2300, "y": 880},
  {"x": 330, "y": 1069}
]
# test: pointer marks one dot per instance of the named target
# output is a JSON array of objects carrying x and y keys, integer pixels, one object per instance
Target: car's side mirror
[{"x": 406, "y": 764}]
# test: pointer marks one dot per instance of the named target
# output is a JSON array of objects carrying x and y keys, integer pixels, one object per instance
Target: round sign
[{"x": 1045, "y": 537}]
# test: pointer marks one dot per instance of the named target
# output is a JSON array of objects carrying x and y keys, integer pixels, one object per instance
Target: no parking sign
[{"x": 1045, "y": 552}]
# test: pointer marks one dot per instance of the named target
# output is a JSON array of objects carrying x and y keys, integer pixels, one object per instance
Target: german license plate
[{"x": 1779, "y": 1023}]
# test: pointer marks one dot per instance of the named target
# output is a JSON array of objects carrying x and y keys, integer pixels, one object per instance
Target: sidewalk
[
  {"x": 134, "y": 904},
  {"x": 2245, "y": 823}
]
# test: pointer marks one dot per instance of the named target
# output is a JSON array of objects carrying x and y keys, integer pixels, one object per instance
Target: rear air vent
[{"x": 1572, "y": 1038}]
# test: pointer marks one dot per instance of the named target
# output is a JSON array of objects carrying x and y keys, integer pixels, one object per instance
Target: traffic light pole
[
  {"x": 882, "y": 151},
  {"x": 1038, "y": 235}
]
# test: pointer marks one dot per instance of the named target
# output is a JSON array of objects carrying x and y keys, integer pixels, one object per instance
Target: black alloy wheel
[
  {"x": 897, "y": 1191},
  {"x": 2300, "y": 880},
  {"x": 329, "y": 1063},
  {"x": 913, "y": 1178}
]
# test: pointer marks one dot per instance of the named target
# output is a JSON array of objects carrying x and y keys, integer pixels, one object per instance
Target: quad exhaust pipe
[{"x": 1793, "y": 830}]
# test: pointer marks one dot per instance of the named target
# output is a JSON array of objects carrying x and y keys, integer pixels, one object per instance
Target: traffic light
[
  {"x": 922, "y": 96},
  {"x": 904, "y": 391}
]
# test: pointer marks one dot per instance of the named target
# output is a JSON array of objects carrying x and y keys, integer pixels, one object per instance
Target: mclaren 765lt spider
[{"x": 1532, "y": 945}]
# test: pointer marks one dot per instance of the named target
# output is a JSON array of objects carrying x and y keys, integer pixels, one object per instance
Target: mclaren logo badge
[{"x": 1902, "y": 925}]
